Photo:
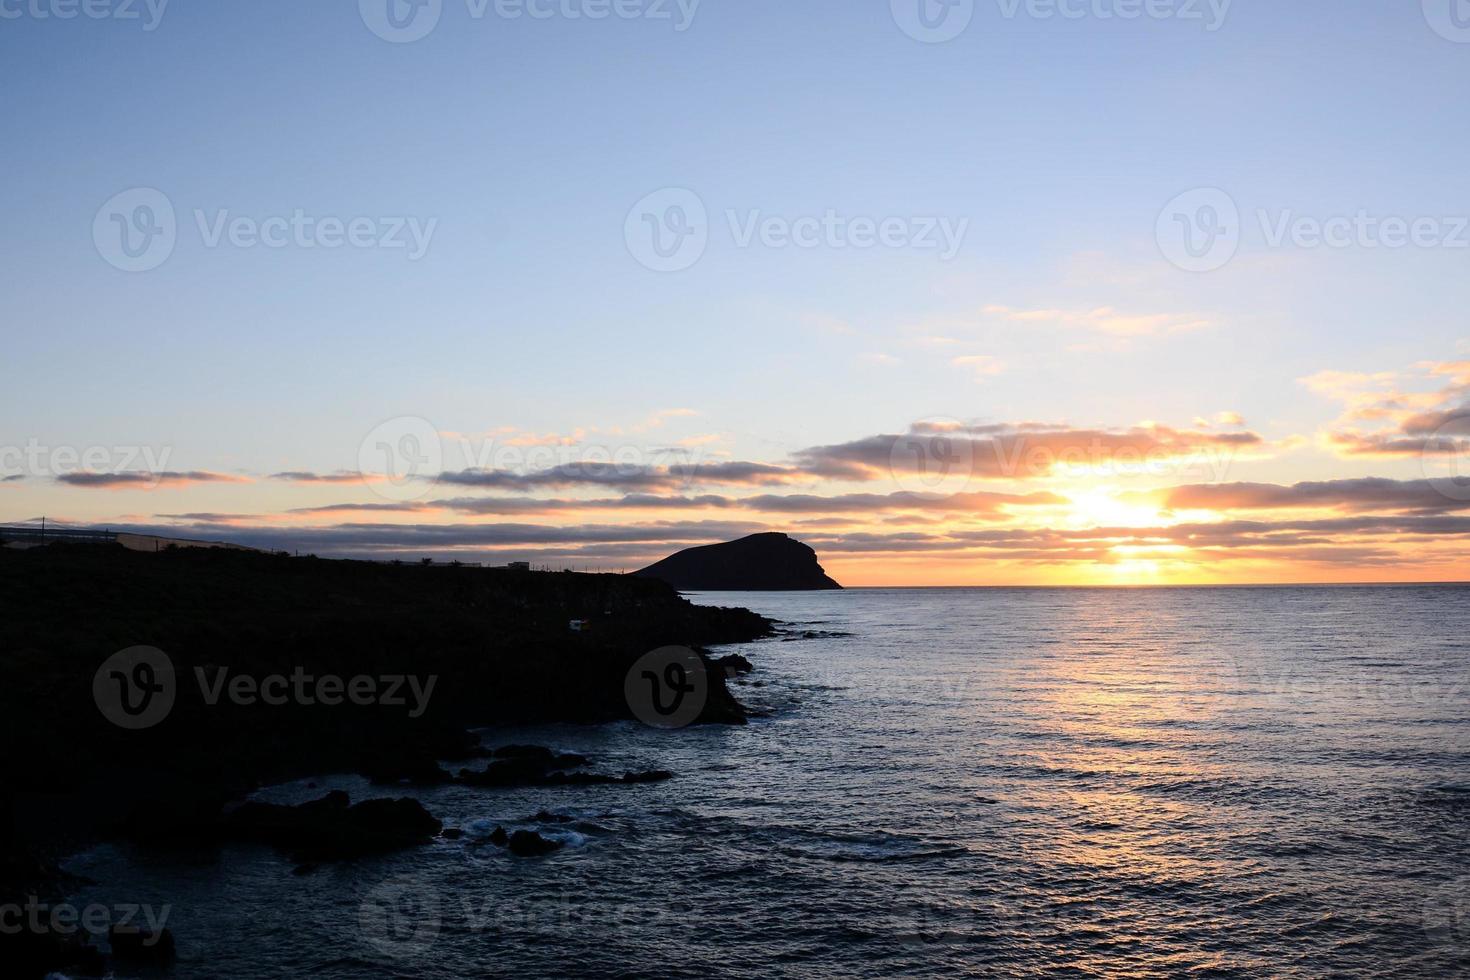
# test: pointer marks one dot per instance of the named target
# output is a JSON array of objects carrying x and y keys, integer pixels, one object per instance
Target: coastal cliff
[
  {"x": 771, "y": 562},
  {"x": 251, "y": 640}
]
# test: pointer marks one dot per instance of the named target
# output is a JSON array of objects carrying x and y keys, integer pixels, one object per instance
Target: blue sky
[{"x": 527, "y": 141}]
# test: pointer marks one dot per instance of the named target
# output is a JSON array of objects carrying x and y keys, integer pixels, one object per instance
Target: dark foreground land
[{"x": 496, "y": 643}]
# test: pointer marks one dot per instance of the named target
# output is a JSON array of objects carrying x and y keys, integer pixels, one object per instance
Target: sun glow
[{"x": 1101, "y": 508}]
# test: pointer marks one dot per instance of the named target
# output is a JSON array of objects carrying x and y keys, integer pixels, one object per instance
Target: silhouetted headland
[{"x": 770, "y": 562}]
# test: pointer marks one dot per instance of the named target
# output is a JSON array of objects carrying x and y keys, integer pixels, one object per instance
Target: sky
[{"x": 971, "y": 292}]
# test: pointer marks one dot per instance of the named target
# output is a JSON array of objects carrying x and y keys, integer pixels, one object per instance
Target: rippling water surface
[{"x": 1139, "y": 782}]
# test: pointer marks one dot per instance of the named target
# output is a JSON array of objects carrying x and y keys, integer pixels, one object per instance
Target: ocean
[{"x": 1001, "y": 782}]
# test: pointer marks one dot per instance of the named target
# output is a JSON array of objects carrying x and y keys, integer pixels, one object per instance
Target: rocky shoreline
[{"x": 267, "y": 656}]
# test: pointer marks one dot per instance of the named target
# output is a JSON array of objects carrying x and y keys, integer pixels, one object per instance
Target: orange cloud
[{"x": 1383, "y": 420}]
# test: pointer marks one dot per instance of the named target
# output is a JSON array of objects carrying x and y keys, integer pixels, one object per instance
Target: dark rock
[
  {"x": 528, "y": 843},
  {"x": 601, "y": 779},
  {"x": 330, "y": 829},
  {"x": 498, "y": 837},
  {"x": 762, "y": 562},
  {"x": 540, "y": 754},
  {"x": 404, "y": 769},
  {"x": 523, "y": 768},
  {"x": 452, "y": 833},
  {"x": 652, "y": 776},
  {"x": 522, "y": 752},
  {"x": 734, "y": 664}
]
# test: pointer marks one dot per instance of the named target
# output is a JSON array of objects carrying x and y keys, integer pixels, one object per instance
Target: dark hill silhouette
[{"x": 771, "y": 562}]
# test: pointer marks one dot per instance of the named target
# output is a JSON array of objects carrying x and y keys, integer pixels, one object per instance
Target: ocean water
[{"x": 1000, "y": 782}]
